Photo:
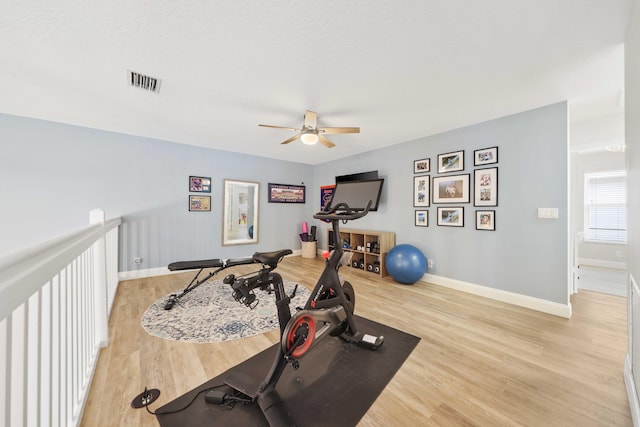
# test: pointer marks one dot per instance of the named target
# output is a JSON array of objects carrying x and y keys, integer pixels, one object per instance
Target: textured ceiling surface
[{"x": 398, "y": 70}]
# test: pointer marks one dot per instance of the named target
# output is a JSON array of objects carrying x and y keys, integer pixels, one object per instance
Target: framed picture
[
  {"x": 485, "y": 156},
  {"x": 451, "y": 162},
  {"x": 451, "y": 189},
  {"x": 422, "y": 218},
  {"x": 199, "y": 203},
  {"x": 199, "y": 184},
  {"x": 486, "y": 220},
  {"x": 240, "y": 219},
  {"x": 451, "y": 217},
  {"x": 422, "y": 166},
  {"x": 421, "y": 186},
  {"x": 281, "y": 193},
  {"x": 486, "y": 187}
]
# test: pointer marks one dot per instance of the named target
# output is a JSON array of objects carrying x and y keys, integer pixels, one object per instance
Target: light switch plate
[{"x": 548, "y": 213}]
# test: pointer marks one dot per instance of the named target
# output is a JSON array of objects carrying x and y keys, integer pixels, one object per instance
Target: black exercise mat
[{"x": 335, "y": 385}]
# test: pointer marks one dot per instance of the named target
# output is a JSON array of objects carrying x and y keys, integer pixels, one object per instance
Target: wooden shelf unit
[{"x": 369, "y": 248}]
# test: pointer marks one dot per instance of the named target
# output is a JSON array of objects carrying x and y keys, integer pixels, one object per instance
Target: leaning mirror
[{"x": 240, "y": 214}]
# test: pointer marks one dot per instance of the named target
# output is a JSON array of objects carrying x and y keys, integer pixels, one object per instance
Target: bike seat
[{"x": 271, "y": 258}]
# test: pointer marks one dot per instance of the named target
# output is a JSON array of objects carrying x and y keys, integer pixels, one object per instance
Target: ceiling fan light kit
[
  {"x": 310, "y": 133},
  {"x": 309, "y": 137}
]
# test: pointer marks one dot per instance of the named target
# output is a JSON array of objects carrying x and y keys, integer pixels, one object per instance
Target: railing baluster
[
  {"x": 5, "y": 373},
  {"x": 48, "y": 329},
  {"x": 64, "y": 346},
  {"x": 73, "y": 331},
  {"x": 18, "y": 373},
  {"x": 54, "y": 390},
  {"x": 59, "y": 346},
  {"x": 82, "y": 326},
  {"x": 46, "y": 321},
  {"x": 33, "y": 360}
]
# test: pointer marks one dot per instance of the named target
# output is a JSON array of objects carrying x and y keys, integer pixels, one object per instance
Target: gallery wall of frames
[{"x": 450, "y": 189}]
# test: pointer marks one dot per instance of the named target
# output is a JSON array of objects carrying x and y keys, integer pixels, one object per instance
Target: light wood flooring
[{"x": 479, "y": 362}]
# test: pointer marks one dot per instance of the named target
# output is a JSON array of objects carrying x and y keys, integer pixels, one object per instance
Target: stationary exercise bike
[{"x": 327, "y": 312}]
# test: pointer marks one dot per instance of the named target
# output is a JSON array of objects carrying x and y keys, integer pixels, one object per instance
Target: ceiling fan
[{"x": 310, "y": 133}]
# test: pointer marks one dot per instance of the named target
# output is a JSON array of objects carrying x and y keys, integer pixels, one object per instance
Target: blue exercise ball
[{"x": 406, "y": 264}]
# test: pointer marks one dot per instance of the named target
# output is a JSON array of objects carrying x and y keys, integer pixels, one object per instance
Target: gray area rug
[{"x": 210, "y": 314}]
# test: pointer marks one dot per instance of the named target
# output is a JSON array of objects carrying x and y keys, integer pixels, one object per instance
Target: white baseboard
[
  {"x": 538, "y": 304},
  {"x": 532, "y": 303},
  {"x": 616, "y": 265},
  {"x": 632, "y": 395},
  {"x": 149, "y": 272},
  {"x": 161, "y": 271}
]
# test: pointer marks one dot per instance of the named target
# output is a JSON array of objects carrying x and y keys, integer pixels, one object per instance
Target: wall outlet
[
  {"x": 137, "y": 260},
  {"x": 430, "y": 263}
]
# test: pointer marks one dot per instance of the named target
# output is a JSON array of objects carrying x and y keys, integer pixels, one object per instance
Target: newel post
[{"x": 96, "y": 216}]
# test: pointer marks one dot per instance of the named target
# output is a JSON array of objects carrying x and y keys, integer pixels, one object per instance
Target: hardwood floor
[{"x": 479, "y": 362}]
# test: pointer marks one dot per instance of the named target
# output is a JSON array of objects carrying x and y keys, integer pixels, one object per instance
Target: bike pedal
[{"x": 371, "y": 342}]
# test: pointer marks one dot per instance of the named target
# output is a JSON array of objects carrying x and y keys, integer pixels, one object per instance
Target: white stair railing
[{"x": 55, "y": 299}]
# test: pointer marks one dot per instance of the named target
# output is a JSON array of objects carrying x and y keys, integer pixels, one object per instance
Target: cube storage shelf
[{"x": 369, "y": 248}]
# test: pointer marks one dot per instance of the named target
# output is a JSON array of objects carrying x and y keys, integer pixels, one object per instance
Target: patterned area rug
[{"x": 210, "y": 314}]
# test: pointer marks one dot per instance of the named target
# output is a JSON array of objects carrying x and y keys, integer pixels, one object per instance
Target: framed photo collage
[{"x": 452, "y": 188}]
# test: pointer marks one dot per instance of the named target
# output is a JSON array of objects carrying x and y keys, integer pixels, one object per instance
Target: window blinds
[{"x": 605, "y": 202}]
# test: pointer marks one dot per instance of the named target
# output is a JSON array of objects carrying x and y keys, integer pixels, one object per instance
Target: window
[{"x": 605, "y": 206}]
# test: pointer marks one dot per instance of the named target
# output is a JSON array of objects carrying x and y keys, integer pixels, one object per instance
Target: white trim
[
  {"x": 616, "y": 265},
  {"x": 605, "y": 242},
  {"x": 632, "y": 395},
  {"x": 538, "y": 304},
  {"x": 149, "y": 272}
]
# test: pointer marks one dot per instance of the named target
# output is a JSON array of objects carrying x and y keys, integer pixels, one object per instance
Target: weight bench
[{"x": 201, "y": 265}]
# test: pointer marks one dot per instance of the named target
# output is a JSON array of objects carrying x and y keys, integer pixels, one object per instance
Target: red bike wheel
[{"x": 305, "y": 322}]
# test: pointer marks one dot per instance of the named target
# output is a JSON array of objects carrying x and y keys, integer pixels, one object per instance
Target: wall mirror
[{"x": 240, "y": 213}]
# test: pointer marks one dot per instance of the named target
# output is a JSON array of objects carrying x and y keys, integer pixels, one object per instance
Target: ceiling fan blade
[
  {"x": 339, "y": 130},
  {"x": 325, "y": 141},
  {"x": 310, "y": 120},
  {"x": 280, "y": 127},
  {"x": 293, "y": 138}
]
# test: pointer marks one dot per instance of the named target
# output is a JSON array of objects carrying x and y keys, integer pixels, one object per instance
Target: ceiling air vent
[{"x": 143, "y": 82}]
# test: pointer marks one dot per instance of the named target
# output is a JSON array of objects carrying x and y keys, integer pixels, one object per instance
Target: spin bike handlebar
[{"x": 343, "y": 212}]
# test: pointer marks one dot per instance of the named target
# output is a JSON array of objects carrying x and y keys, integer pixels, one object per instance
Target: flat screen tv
[
  {"x": 362, "y": 176},
  {"x": 357, "y": 194}
]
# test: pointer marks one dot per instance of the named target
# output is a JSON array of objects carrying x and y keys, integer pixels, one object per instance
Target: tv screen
[
  {"x": 357, "y": 194},
  {"x": 362, "y": 176}
]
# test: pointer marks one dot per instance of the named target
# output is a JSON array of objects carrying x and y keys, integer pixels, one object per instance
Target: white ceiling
[{"x": 398, "y": 70}]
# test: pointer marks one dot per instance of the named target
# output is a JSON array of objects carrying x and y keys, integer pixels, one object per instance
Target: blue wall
[
  {"x": 52, "y": 175},
  {"x": 525, "y": 255}
]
